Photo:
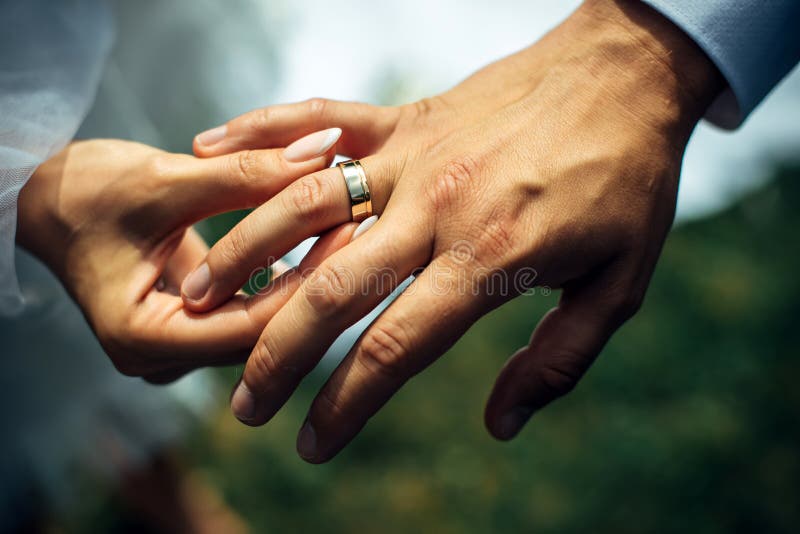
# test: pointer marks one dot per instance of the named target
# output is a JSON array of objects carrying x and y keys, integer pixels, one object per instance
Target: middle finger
[{"x": 341, "y": 291}]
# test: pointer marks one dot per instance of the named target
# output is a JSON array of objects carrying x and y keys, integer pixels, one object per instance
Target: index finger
[{"x": 364, "y": 126}]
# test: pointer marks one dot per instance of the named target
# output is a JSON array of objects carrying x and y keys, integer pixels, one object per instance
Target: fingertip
[
  {"x": 196, "y": 289},
  {"x": 495, "y": 432},
  {"x": 341, "y": 236},
  {"x": 327, "y": 244},
  {"x": 194, "y": 307},
  {"x": 205, "y": 143},
  {"x": 314, "y": 461},
  {"x": 307, "y": 443},
  {"x": 308, "y": 446},
  {"x": 503, "y": 400},
  {"x": 196, "y": 284},
  {"x": 248, "y": 408},
  {"x": 365, "y": 225},
  {"x": 211, "y": 301},
  {"x": 330, "y": 155},
  {"x": 207, "y": 303},
  {"x": 197, "y": 148},
  {"x": 279, "y": 268},
  {"x": 508, "y": 425},
  {"x": 243, "y": 403},
  {"x": 313, "y": 145}
]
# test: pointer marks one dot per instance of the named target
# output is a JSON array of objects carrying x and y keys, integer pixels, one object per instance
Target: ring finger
[{"x": 305, "y": 208}]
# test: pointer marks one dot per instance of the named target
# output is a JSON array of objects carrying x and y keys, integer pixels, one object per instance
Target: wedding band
[{"x": 358, "y": 189}]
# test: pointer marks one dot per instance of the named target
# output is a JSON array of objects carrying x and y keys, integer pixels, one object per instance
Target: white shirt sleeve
[{"x": 51, "y": 59}]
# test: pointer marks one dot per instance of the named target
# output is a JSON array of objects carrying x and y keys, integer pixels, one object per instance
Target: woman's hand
[
  {"x": 112, "y": 221},
  {"x": 557, "y": 166}
]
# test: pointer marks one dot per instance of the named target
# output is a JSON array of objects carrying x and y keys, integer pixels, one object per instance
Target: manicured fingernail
[
  {"x": 312, "y": 146},
  {"x": 212, "y": 136},
  {"x": 243, "y": 404},
  {"x": 307, "y": 442},
  {"x": 365, "y": 225},
  {"x": 196, "y": 285},
  {"x": 513, "y": 421}
]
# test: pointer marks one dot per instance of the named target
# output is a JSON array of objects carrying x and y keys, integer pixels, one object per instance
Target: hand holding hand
[
  {"x": 112, "y": 220},
  {"x": 560, "y": 161}
]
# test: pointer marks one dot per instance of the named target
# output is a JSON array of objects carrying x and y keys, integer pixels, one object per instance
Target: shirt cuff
[{"x": 754, "y": 44}]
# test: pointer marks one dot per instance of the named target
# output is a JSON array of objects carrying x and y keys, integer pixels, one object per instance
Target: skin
[
  {"x": 112, "y": 220},
  {"x": 562, "y": 160}
]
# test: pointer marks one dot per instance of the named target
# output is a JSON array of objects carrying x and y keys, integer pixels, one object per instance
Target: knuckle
[
  {"x": 265, "y": 362},
  {"x": 248, "y": 167},
  {"x": 494, "y": 239},
  {"x": 425, "y": 106},
  {"x": 158, "y": 177},
  {"x": 385, "y": 348},
  {"x": 233, "y": 249},
  {"x": 327, "y": 289},
  {"x": 160, "y": 168},
  {"x": 317, "y": 107},
  {"x": 560, "y": 377},
  {"x": 451, "y": 182},
  {"x": 331, "y": 404},
  {"x": 258, "y": 120},
  {"x": 422, "y": 111},
  {"x": 309, "y": 198},
  {"x": 487, "y": 242}
]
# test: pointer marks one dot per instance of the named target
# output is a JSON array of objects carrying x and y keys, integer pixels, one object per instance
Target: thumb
[{"x": 563, "y": 346}]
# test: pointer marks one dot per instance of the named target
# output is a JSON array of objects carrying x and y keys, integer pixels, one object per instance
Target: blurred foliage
[{"x": 687, "y": 423}]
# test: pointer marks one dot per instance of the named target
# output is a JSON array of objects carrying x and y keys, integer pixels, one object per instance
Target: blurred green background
[{"x": 688, "y": 422}]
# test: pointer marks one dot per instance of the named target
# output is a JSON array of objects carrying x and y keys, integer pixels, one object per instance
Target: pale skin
[
  {"x": 112, "y": 220},
  {"x": 563, "y": 158}
]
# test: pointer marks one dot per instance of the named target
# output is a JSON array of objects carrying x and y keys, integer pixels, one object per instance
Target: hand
[
  {"x": 110, "y": 219},
  {"x": 560, "y": 161}
]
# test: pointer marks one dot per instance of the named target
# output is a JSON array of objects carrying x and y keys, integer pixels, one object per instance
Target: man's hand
[
  {"x": 112, "y": 220},
  {"x": 557, "y": 166}
]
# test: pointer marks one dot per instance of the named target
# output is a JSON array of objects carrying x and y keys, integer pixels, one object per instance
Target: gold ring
[{"x": 356, "y": 180}]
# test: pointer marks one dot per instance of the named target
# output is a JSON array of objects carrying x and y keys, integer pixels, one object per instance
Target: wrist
[
  {"x": 39, "y": 229},
  {"x": 659, "y": 67}
]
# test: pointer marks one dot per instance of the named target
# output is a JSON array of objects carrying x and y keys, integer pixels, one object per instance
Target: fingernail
[
  {"x": 312, "y": 146},
  {"x": 196, "y": 285},
  {"x": 243, "y": 404},
  {"x": 513, "y": 421},
  {"x": 212, "y": 136},
  {"x": 307, "y": 442},
  {"x": 365, "y": 225}
]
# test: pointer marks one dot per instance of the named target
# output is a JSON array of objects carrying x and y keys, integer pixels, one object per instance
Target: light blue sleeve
[{"x": 754, "y": 43}]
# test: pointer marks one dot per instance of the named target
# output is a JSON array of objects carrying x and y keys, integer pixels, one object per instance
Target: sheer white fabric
[
  {"x": 66, "y": 405},
  {"x": 51, "y": 59}
]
